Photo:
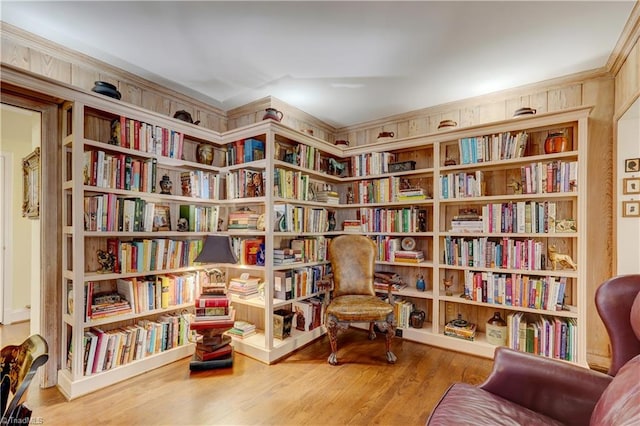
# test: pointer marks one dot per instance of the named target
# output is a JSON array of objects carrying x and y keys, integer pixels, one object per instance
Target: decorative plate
[{"x": 408, "y": 243}]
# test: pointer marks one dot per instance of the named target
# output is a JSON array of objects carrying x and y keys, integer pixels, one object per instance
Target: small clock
[{"x": 408, "y": 243}]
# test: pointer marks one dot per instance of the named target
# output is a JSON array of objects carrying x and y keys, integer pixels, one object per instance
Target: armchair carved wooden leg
[
  {"x": 372, "y": 331},
  {"x": 389, "y": 330},
  {"x": 333, "y": 326}
]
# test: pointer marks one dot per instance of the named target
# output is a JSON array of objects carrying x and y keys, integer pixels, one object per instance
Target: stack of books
[
  {"x": 412, "y": 194},
  {"x": 286, "y": 255},
  {"x": 245, "y": 287},
  {"x": 382, "y": 279},
  {"x": 241, "y": 329},
  {"x": 461, "y": 329},
  {"x": 351, "y": 226},
  {"x": 243, "y": 219},
  {"x": 408, "y": 256},
  {"x": 329, "y": 197},
  {"x": 214, "y": 316},
  {"x": 468, "y": 222}
]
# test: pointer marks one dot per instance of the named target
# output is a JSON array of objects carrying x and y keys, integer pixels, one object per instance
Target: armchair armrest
[{"x": 563, "y": 391}]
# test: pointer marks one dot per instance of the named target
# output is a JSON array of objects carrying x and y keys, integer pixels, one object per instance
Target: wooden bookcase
[
  {"x": 104, "y": 170},
  {"x": 289, "y": 154}
]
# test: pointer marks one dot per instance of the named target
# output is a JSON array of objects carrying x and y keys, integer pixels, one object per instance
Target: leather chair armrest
[{"x": 557, "y": 389}]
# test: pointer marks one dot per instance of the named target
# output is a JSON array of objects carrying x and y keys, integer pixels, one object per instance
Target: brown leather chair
[
  {"x": 18, "y": 365},
  {"x": 528, "y": 389},
  {"x": 354, "y": 299}
]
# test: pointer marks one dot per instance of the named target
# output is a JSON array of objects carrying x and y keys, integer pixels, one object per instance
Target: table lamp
[{"x": 217, "y": 249}]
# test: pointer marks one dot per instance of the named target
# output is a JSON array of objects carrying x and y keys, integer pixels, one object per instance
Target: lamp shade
[{"x": 217, "y": 249}]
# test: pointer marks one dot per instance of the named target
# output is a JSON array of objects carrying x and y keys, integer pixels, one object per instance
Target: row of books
[
  {"x": 385, "y": 190},
  {"x": 119, "y": 171},
  {"x": 138, "y": 294},
  {"x": 105, "y": 350},
  {"x": 245, "y": 151},
  {"x": 551, "y": 337},
  {"x": 290, "y": 218},
  {"x": 146, "y": 137},
  {"x": 301, "y": 155},
  {"x": 382, "y": 280},
  {"x": 402, "y": 312},
  {"x": 299, "y": 282},
  {"x": 409, "y": 219},
  {"x": 200, "y": 184},
  {"x": 291, "y": 184},
  {"x": 546, "y": 293},
  {"x": 245, "y": 183},
  {"x": 520, "y": 217},
  {"x": 200, "y": 218},
  {"x": 109, "y": 213},
  {"x": 545, "y": 178},
  {"x": 488, "y": 252},
  {"x": 371, "y": 163},
  {"x": 146, "y": 255},
  {"x": 501, "y": 146},
  {"x": 461, "y": 185}
]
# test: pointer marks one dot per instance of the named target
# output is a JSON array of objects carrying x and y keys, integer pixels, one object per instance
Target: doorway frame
[{"x": 50, "y": 220}]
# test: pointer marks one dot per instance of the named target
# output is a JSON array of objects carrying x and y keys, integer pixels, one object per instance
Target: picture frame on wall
[
  {"x": 31, "y": 185},
  {"x": 631, "y": 208},
  {"x": 632, "y": 165},
  {"x": 631, "y": 185}
]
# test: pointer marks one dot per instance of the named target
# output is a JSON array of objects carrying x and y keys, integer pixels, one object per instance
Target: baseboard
[{"x": 17, "y": 315}]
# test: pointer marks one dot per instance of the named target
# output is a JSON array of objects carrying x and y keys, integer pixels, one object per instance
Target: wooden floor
[{"x": 302, "y": 389}]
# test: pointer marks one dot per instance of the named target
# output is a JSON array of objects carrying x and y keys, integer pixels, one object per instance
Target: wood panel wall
[
  {"x": 39, "y": 56},
  {"x": 609, "y": 97}
]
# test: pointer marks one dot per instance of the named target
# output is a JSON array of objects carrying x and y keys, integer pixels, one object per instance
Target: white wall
[
  {"x": 20, "y": 135},
  {"x": 628, "y": 228}
]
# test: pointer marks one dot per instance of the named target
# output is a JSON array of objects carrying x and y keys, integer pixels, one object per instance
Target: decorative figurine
[
  {"x": 166, "y": 185},
  {"x": 107, "y": 261},
  {"x": 299, "y": 319},
  {"x": 420, "y": 284},
  {"x": 331, "y": 222},
  {"x": 183, "y": 225},
  {"x": 448, "y": 282},
  {"x": 349, "y": 195},
  {"x": 516, "y": 186},
  {"x": 558, "y": 258}
]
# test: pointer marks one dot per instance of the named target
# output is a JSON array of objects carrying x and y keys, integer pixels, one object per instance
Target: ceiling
[{"x": 342, "y": 62}]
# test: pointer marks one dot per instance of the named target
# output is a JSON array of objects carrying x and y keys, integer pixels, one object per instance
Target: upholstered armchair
[
  {"x": 353, "y": 298},
  {"x": 18, "y": 365},
  {"x": 526, "y": 389}
]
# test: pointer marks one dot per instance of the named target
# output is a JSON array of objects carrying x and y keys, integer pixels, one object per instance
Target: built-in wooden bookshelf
[
  {"x": 427, "y": 201},
  {"x": 136, "y": 206}
]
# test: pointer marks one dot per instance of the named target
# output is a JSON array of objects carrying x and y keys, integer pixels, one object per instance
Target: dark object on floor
[
  {"x": 106, "y": 89},
  {"x": 530, "y": 389},
  {"x": 18, "y": 365},
  {"x": 354, "y": 299}
]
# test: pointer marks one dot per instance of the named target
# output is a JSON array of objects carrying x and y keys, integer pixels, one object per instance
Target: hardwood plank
[{"x": 301, "y": 389}]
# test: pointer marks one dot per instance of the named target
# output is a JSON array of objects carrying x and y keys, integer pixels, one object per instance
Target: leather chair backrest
[
  {"x": 614, "y": 300},
  {"x": 353, "y": 265}
]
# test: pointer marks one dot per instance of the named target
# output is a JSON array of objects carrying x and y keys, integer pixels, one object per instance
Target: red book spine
[
  {"x": 205, "y": 325},
  {"x": 218, "y": 353},
  {"x": 211, "y": 302}
]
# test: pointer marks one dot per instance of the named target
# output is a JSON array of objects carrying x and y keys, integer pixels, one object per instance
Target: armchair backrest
[
  {"x": 18, "y": 365},
  {"x": 614, "y": 300},
  {"x": 353, "y": 265}
]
